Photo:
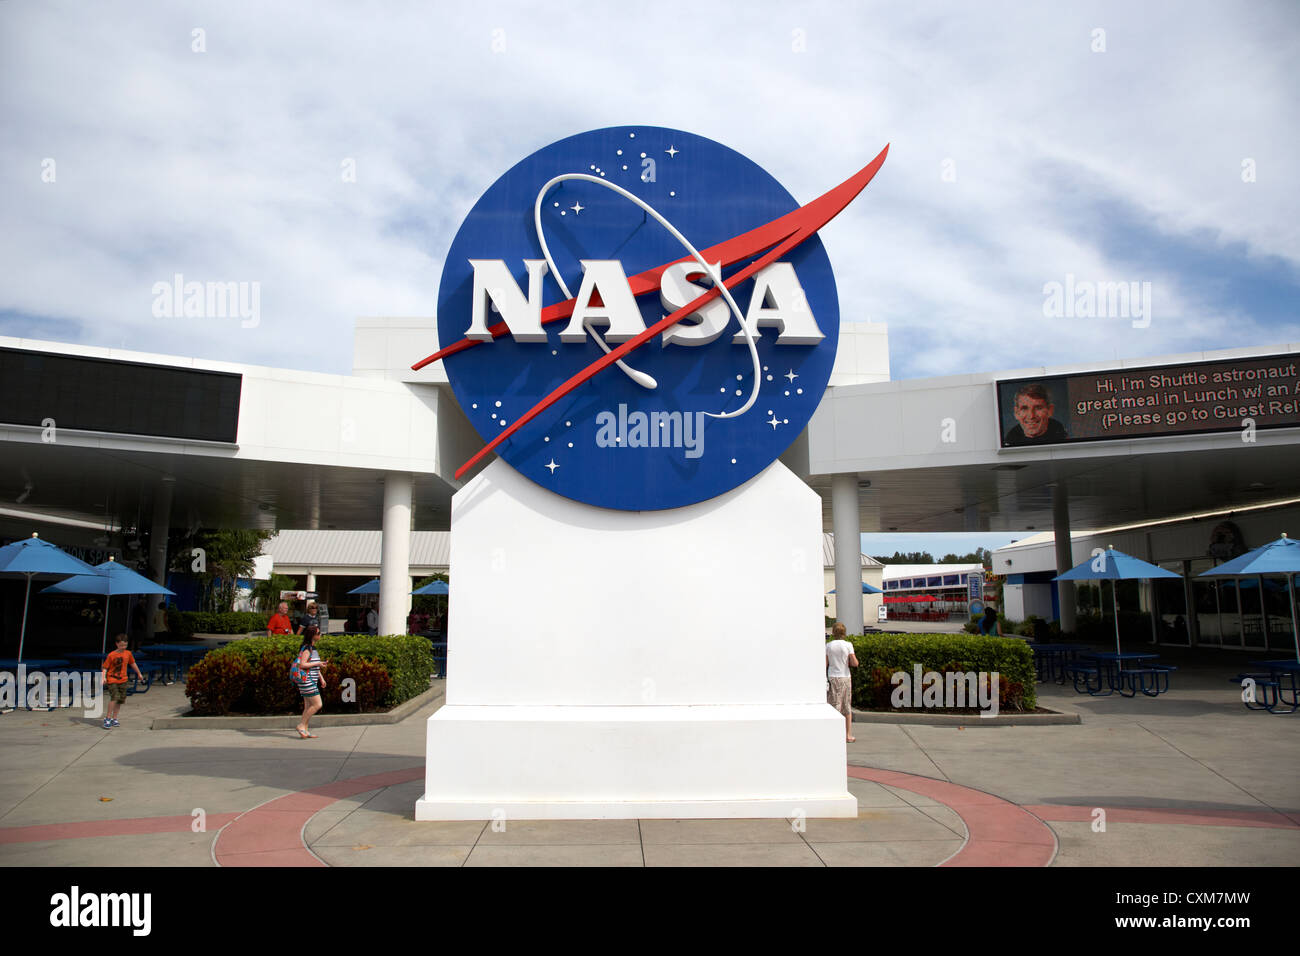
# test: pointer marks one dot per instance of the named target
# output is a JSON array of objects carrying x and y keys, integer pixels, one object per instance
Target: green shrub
[
  {"x": 270, "y": 689},
  {"x": 178, "y": 625},
  {"x": 408, "y": 658},
  {"x": 1023, "y": 628},
  {"x": 388, "y": 669},
  {"x": 217, "y": 682},
  {"x": 880, "y": 656},
  {"x": 372, "y": 683},
  {"x": 188, "y": 623}
]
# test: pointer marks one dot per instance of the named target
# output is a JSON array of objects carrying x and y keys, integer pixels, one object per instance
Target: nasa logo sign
[{"x": 640, "y": 318}]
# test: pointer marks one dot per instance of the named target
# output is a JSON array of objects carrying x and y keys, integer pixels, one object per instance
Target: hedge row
[
  {"x": 188, "y": 623},
  {"x": 1029, "y": 627},
  {"x": 880, "y": 656},
  {"x": 252, "y": 675}
]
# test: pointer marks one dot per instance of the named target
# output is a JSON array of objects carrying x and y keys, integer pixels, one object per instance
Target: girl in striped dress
[{"x": 308, "y": 677}]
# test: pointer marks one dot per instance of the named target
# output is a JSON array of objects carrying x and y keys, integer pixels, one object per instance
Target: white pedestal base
[
  {"x": 669, "y": 762},
  {"x": 607, "y": 664}
]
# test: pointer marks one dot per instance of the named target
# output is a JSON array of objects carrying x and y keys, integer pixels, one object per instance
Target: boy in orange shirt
[{"x": 115, "y": 677}]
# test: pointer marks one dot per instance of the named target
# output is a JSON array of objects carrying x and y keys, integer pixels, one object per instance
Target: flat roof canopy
[
  {"x": 90, "y": 483},
  {"x": 930, "y": 455},
  {"x": 1017, "y": 495}
]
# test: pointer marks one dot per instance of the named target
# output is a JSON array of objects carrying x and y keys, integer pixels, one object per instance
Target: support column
[
  {"x": 395, "y": 554},
  {"x": 1064, "y": 553},
  {"x": 160, "y": 529},
  {"x": 1189, "y": 607},
  {"x": 846, "y": 523}
]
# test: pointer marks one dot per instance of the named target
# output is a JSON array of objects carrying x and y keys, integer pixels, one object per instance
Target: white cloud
[{"x": 225, "y": 165}]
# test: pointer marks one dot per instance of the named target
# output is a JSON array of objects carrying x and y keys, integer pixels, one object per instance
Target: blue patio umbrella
[
  {"x": 866, "y": 589},
  {"x": 1277, "y": 557},
  {"x": 108, "y": 579},
  {"x": 433, "y": 587},
  {"x": 33, "y": 556},
  {"x": 370, "y": 587},
  {"x": 1111, "y": 565}
]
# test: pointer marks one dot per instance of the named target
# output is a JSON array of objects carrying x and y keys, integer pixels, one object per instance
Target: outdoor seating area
[
  {"x": 932, "y": 616},
  {"x": 1099, "y": 674},
  {"x": 1051, "y": 661},
  {"x": 1274, "y": 687},
  {"x": 1103, "y": 674}
]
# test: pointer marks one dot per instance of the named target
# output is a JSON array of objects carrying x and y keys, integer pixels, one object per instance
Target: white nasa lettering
[
  {"x": 675, "y": 291},
  {"x": 492, "y": 280},
  {"x": 619, "y": 310},
  {"x": 779, "y": 302}
]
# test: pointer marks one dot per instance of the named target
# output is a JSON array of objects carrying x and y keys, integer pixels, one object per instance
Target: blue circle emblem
[{"x": 666, "y": 431}]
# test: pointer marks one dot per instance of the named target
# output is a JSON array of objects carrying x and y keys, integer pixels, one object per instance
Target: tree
[
  {"x": 266, "y": 594},
  {"x": 217, "y": 558},
  {"x": 911, "y": 557}
]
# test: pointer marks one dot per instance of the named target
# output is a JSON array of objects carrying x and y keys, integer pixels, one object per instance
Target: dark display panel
[
  {"x": 125, "y": 397},
  {"x": 1188, "y": 399}
]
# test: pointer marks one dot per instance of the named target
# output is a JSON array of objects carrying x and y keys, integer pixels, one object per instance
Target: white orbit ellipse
[{"x": 641, "y": 378}]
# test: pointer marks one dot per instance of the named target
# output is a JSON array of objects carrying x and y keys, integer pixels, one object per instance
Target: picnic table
[
  {"x": 185, "y": 654},
  {"x": 34, "y": 665},
  {"x": 1100, "y": 674},
  {"x": 1051, "y": 660},
  {"x": 86, "y": 660},
  {"x": 1277, "y": 684}
]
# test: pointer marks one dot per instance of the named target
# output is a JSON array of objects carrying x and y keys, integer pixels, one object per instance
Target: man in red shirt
[
  {"x": 279, "y": 622},
  {"x": 115, "y": 678}
]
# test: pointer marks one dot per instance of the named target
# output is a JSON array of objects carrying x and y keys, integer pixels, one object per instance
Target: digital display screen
[
  {"x": 129, "y": 398},
  {"x": 1187, "y": 399}
]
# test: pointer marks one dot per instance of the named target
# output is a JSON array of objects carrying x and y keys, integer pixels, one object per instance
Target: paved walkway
[{"x": 1187, "y": 778}]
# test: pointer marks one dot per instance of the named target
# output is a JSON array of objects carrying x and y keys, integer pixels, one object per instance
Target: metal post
[
  {"x": 22, "y": 634},
  {"x": 846, "y": 522},
  {"x": 1064, "y": 554},
  {"x": 1189, "y": 607},
  {"x": 1295, "y": 632},
  {"x": 160, "y": 529}
]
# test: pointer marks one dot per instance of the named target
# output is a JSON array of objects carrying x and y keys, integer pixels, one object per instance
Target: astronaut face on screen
[{"x": 1034, "y": 410}]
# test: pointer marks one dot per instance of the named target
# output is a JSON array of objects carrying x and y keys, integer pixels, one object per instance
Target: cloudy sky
[{"x": 1150, "y": 143}]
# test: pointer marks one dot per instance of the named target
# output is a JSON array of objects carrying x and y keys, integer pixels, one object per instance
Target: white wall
[
  {"x": 862, "y": 354},
  {"x": 1036, "y": 600},
  {"x": 1013, "y": 602},
  {"x": 288, "y": 416},
  {"x": 387, "y": 348},
  {"x": 870, "y": 602}
]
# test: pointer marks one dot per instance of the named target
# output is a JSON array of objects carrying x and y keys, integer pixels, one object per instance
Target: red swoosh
[{"x": 778, "y": 236}]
